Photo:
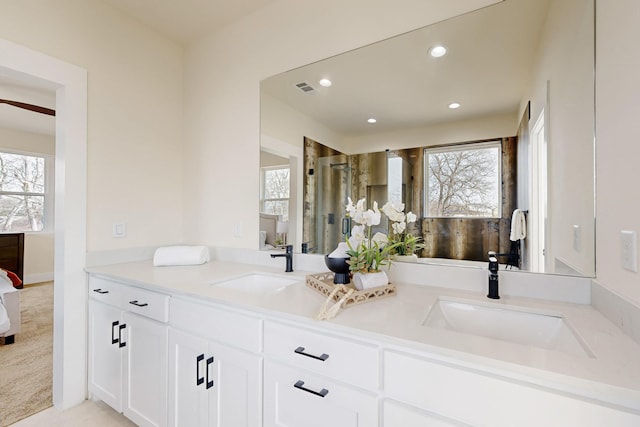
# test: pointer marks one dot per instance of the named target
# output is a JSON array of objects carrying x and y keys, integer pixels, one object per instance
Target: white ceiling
[
  {"x": 187, "y": 20},
  {"x": 486, "y": 69}
]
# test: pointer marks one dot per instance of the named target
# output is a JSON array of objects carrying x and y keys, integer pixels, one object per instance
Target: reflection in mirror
[{"x": 522, "y": 74}]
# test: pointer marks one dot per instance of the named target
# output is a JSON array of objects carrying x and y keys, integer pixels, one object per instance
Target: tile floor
[{"x": 88, "y": 413}]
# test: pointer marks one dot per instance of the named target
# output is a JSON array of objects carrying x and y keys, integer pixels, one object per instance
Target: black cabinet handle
[
  {"x": 209, "y": 383},
  {"x": 300, "y": 386},
  {"x": 322, "y": 357},
  {"x": 100, "y": 291},
  {"x": 114, "y": 340},
  {"x": 120, "y": 328},
  {"x": 137, "y": 304},
  {"x": 199, "y": 359}
]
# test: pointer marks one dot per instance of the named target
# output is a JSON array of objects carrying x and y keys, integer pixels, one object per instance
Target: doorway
[
  {"x": 70, "y": 294},
  {"x": 538, "y": 195}
]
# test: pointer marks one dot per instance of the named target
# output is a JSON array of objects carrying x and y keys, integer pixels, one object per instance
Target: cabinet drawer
[
  {"x": 146, "y": 303},
  {"x": 106, "y": 291},
  {"x": 479, "y": 399},
  {"x": 295, "y": 398},
  {"x": 346, "y": 360},
  {"x": 218, "y": 324}
]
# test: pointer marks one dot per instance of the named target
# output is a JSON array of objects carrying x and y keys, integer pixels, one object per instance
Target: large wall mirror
[{"x": 383, "y": 127}]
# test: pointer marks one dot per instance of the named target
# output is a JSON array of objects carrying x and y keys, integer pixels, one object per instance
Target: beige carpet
[{"x": 26, "y": 366}]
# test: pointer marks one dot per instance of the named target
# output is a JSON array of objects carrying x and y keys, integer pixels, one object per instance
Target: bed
[{"x": 12, "y": 264}]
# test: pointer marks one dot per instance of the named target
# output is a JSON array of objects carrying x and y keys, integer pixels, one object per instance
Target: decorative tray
[{"x": 323, "y": 283}]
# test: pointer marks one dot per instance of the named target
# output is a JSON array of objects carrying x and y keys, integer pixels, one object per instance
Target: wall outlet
[
  {"x": 119, "y": 229},
  {"x": 629, "y": 250},
  {"x": 237, "y": 229}
]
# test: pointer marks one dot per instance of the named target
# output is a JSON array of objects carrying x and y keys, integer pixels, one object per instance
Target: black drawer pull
[
  {"x": 299, "y": 385},
  {"x": 120, "y": 328},
  {"x": 209, "y": 383},
  {"x": 114, "y": 340},
  {"x": 137, "y": 304},
  {"x": 300, "y": 350},
  {"x": 100, "y": 291},
  {"x": 199, "y": 380}
]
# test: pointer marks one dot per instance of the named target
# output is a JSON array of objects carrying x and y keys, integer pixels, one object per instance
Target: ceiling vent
[{"x": 305, "y": 87}]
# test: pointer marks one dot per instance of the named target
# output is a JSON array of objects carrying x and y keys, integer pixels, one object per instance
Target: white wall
[
  {"x": 617, "y": 134},
  {"x": 222, "y": 95},
  {"x": 279, "y": 121},
  {"x": 443, "y": 133},
  {"x": 565, "y": 60},
  {"x": 134, "y": 113}
]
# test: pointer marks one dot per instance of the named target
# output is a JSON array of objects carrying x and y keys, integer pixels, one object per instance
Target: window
[
  {"x": 22, "y": 192},
  {"x": 463, "y": 181},
  {"x": 275, "y": 191}
]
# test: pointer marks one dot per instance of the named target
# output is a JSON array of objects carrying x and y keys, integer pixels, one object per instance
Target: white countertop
[{"x": 613, "y": 375}]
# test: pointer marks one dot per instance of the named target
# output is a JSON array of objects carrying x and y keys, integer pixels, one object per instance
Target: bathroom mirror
[{"x": 522, "y": 73}]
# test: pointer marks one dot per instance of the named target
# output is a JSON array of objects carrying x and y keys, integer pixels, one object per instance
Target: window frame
[
  {"x": 263, "y": 199},
  {"x": 467, "y": 146},
  {"x": 49, "y": 186}
]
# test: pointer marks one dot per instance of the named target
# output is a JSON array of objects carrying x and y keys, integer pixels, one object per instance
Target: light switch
[
  {"x": 237, "y": 229},
  {"x": 119, "y": 229},
  {"x": 629, "y": 250}
]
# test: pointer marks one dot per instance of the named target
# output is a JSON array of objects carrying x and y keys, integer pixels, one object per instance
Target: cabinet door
[
  {"x": 146, "y": 371},
  {"x": 294, "y": 398},
  {"x": 188, "y": 400},
  {"x": 106, "y": 355},
  {"x": 235, "y": 398}
]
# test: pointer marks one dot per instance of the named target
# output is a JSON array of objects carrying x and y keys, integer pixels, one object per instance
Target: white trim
[{"x": 70, "y": 293}]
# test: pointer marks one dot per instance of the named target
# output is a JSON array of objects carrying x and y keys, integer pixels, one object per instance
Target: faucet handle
[
  {"x": 493, "y": 262},
  {"x": 289, "y": 249}
]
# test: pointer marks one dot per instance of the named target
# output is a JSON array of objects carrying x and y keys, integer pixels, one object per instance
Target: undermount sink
[
  {"x": 520, "y": 325},
  {"x": 258, "y": 283}
]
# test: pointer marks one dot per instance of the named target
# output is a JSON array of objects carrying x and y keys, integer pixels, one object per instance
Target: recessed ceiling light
[
  {"x": 325, "y": 82},
  {"x": 454, "y": 105},
  {"x": 371, "y": 120},
  {"x": 438, "y": 51}
]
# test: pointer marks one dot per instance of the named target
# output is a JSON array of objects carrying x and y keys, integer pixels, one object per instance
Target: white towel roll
[
  {"x": 180, "y": 255},
  {"x": 363, "y": 281}
]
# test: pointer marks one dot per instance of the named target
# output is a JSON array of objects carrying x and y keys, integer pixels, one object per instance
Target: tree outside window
[
  {"x": 275, "y": 191},
  {"x": 22, "y": 192},
  {"x": 463, "y": 181}
]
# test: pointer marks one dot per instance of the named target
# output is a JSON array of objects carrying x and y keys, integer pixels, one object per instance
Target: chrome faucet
[
  {"x": 288, "y": 254},
  {"x": 493, "y": 276}
]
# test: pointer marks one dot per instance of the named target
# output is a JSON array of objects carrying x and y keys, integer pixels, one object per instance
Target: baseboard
[{"x": 30, "y": 279}]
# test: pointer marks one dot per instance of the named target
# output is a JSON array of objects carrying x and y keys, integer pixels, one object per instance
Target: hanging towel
[
  {"x": 518, "y": 226},
  {"x": 180, "y": 255}
]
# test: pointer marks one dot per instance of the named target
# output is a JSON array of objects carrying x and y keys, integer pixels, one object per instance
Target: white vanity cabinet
[
  {"x": 128, "y": 338},
  {"x": 469, "y": 397},
  {"x": 213, "y": 384},
  {"x": 316, "y": 379}
]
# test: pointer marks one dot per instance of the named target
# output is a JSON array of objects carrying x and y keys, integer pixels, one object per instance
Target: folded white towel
[
  {"x": 180, "y": 255},
  {"x": 364, "y": 281},
  {"x": 518, "y": 226}
]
